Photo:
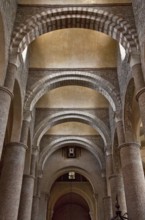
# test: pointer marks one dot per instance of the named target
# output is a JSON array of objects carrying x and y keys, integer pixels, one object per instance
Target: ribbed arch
[
  {"x": 76, "y": 190},
  {"x": 66, "y": 141},
  {"x": 74, "y": 17},
  {"x": 79, "y": 78},
  {"x": 92, "y": 179},
  {"x": 96, "y": 184},
  {"x": 72, "y": 115}
]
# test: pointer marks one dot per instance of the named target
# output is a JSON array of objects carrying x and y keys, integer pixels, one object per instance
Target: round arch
[
  {"x": 75, "y": 17},
  {"x": 78, "y": 192},
  {"x": 65, "y": 141},
  {"x": 72, "y": 115},
  {"x": 72, "y": 203},
  {"x": 79, "y": 78},
  {"x": 96, "y": 185},
  {"x": 92, "y": 180}
]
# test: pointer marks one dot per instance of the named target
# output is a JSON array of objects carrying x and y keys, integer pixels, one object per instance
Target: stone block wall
[
  {"x": 139, "y": 9},
  {"x": 8, "y": 10}
]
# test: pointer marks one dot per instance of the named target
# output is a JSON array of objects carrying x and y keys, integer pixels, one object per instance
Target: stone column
[
  {"x": 25, "y": 207},
  {"x": 109, "y": 170},
  {"x": 139, "y": 82},
  {"x": 43, "y": 208},
  {"x": 34, "y": 156},
  {"x": 24, "y": 139},
  {"x": 116, "y": 180},
  {"x": 11, "y": 180},
  {"x": 25, "y": 126},
  {"x": 36, "y": 200},
  {"x": 10, "y": 76},
  {"x": 108, "y": 214},
  {"x": 120, "y": 131},
  {"x": 35, "y": 207},
  {"x": 24, "y": 131},
  {"x": 117, "y": 189},
  {"x": 5, "y": 100},
  {"x": 27, "y": 192},
  {"x": 134, "y": 181}
]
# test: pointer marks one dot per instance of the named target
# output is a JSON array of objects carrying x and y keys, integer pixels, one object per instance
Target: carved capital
[
  {"x": 103, "y": 173},
  {"x": 134, "y": 59},
  {"x": 35, "y": 150},
  {"x": 14, "y": 59},
  {"x": 95, "y": 195},
  {"x": 118, "y": 116},
  {"x": 40, "y": 174},
  {"x": 27, "y": 115},
  {"x": 108, "y": 152}
]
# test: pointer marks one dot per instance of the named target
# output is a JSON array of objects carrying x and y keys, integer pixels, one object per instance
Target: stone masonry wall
[
  {"x": 139, "y": 9},
  {"x": 8, "y": 10},
  {"x": 25, "y": 12}
]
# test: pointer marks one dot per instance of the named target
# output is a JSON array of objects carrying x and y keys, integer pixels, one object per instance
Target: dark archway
[{"x": 71, "y": 206}]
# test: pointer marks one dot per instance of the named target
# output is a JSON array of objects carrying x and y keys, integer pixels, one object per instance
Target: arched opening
[
  {"x": 73, "y": 48},
  {"x": 71, "y": 206},
  {"x": 71, "y": 197},
  {"x": 116, "y": 27}
]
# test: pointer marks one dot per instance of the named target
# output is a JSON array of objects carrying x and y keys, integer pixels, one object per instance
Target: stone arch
[
  {"x": 92, "y": 180},
  {"x": 73, "y": 115},
  {"x": 65, "y": 141},
  {"x": 80, "y": 78},
  {"x": 68, "y": 202},
  {"x": 74, "y": 17},
  {"x": 97, "y": 187},
  {"x": 2, "y": 50},
  {"x": 77, "y": 191}
]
